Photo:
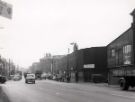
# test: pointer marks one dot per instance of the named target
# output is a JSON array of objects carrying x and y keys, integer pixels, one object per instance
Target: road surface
[{"x": 51, "y": 91}]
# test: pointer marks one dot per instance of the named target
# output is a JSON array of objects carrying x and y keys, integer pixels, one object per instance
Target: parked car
[
  {"x": 2, "y": 79},
  {"x": 30, "y": 78},
  {"x": 49, "y": 76},
  {"x": 43, "y": 75},
  {"x": 17, "y": 77}
]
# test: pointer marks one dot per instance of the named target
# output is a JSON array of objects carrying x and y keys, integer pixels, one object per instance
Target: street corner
[{"x": 3, "y": 96}]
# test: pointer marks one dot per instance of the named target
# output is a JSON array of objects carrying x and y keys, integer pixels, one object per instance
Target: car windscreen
[{"x": 30, "y": 75}]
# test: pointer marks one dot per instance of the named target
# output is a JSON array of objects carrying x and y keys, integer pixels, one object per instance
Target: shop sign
[{"x": 89, "y": 66}]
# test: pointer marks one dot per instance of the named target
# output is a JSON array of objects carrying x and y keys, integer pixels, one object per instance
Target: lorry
[{"x": 126, "y": 77}]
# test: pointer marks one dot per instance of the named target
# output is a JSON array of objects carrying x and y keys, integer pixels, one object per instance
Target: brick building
[{"x": 120, "y": 54}]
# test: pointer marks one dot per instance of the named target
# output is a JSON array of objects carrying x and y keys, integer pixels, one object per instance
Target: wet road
[{"x": 51, "y": 91}]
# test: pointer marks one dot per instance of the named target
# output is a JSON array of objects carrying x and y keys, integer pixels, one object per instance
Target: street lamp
[{"x": 75, "y": 48}]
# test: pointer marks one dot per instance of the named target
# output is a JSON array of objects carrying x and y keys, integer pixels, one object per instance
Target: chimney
[{"x": 133, "y": 15}]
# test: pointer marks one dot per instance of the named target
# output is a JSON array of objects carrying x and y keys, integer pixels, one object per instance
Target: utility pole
[
  {"x": 9, "y": 69},
  {"x": 0, "y": 65},
  {"x": 68, "y": 71},
  {"x": 68, "y": 61},
  {"x": 75, "y": 48},
  {"x": 52, "y": 65}
]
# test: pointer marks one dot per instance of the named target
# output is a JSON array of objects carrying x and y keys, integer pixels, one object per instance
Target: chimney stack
[{"x": 133, "y": 15}]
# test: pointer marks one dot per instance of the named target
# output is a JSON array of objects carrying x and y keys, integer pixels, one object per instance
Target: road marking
[{"x": 123, "y": 96}]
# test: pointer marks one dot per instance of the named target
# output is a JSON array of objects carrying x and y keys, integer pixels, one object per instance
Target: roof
[
  {"x": 93, "y": 47},
  {"x": 120, "y": 36}
]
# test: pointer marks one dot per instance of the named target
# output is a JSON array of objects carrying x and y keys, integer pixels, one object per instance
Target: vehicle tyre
[{"x": 124, "y": 84}]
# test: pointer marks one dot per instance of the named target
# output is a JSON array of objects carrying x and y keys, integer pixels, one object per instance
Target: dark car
[
  {"x": 30, "y": 78},
  {"x": 2, "y": 79}
]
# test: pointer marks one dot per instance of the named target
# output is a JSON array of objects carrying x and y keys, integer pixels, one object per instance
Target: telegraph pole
[
  {"x": 75, "y": 48},
  {"x": 9, "y": 69}
]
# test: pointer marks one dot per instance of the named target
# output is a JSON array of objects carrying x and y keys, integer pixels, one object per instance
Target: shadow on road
[{"x": 3, "y": 96}]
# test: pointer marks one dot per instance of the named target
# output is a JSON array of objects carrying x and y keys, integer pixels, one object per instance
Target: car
[
  {"x": 17, "y": 77},
  {"x": 2, "y": 79},
  {"x": 30, "y": 78},
  {"x": 43, "y": 75}
]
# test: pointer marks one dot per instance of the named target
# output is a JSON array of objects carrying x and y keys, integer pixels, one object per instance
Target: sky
[{"x": 38, "y": 27}]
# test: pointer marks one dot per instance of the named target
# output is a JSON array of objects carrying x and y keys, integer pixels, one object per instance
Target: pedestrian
[
  {"x": 68, "y": 78},
  {"x": 76, "y": 77}
]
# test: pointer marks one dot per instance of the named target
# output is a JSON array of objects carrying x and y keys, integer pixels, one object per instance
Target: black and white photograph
[{"x": 67, "y": 50}]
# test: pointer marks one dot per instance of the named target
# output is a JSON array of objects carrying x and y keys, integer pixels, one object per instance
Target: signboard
[
  {"x": 118, "y": 72},
  {"x": 5, "y": 10},
  {"x": 123, "y": 72},
  {"x": 89, "y": 66}
]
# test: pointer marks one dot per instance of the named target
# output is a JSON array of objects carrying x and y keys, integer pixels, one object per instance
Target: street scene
[
  {"x": 67, "y": 50},
  {"x": 52, "y": 91}
]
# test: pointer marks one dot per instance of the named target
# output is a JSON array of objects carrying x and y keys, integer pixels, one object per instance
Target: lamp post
[
  {"x": 1, "y": 70},
  {"x": 67, "y": 72},
  {"x": 1, "y": 64},
  {"x": 75, "y": 48},
  {"x": 9, "y": 68}
]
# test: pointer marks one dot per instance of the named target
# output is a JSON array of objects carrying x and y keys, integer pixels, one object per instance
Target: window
[
  {"x": 113, "y": 52},
  {"x": 127, "y": 49}
]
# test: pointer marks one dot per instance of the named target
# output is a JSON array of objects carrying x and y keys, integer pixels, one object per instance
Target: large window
[{"x": 127, "y": 49}]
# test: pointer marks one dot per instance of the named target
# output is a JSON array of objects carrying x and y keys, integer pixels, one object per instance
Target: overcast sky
[{"x": 41, "y": 26}]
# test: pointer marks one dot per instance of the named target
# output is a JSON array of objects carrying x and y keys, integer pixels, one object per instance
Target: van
[{"x": 30, "y": 78}]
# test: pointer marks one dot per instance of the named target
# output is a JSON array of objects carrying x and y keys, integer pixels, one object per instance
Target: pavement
[{"x": 3, "y": 96}]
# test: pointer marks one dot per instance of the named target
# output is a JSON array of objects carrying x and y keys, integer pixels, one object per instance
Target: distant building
[
  {"x": 56, "y": 66},
  {"x": 83, "y": 63}
]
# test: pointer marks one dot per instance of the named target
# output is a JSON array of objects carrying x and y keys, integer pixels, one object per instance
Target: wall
[{"x": 124, "y": 39}]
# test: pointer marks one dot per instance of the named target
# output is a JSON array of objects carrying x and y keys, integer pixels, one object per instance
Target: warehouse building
[
  {"x": 120, "y": 54},
  {"x": 84, "y": 63}
]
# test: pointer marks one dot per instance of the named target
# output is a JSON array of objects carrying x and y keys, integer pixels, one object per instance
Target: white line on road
[{"x": 130, "y": 97}]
